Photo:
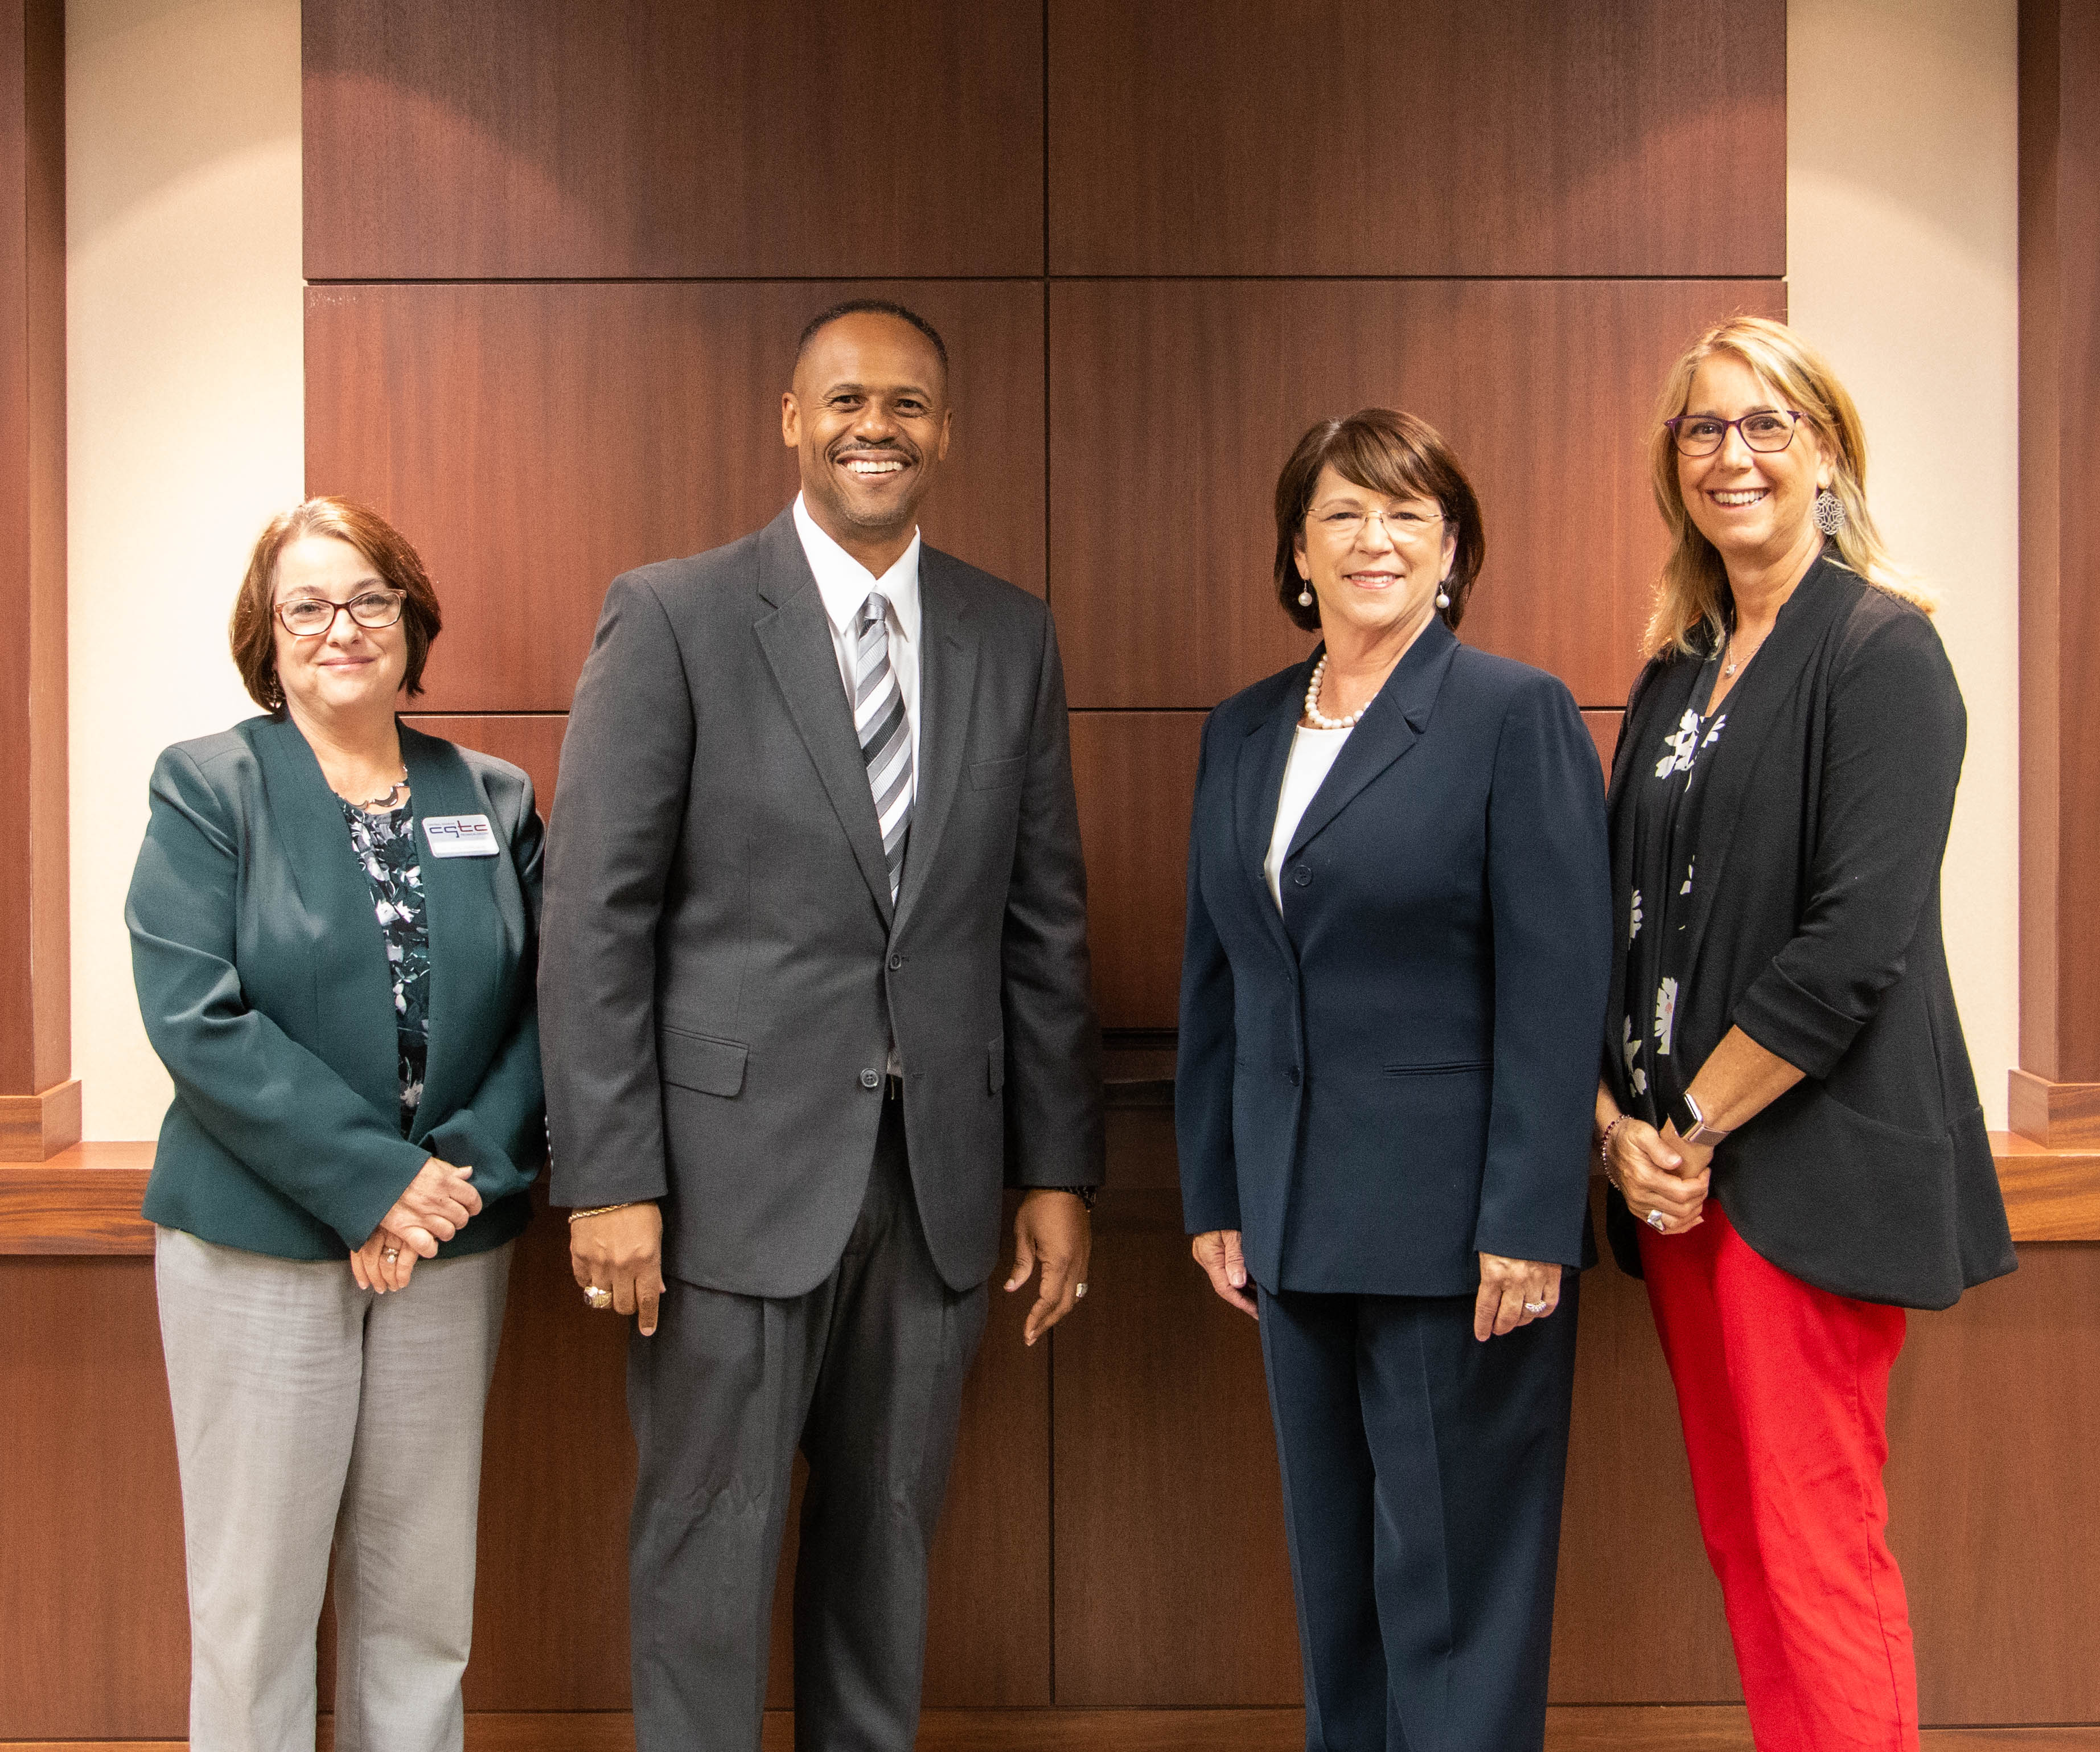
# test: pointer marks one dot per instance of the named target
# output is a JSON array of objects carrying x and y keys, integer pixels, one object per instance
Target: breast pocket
[{"x": 998, "y": 775}]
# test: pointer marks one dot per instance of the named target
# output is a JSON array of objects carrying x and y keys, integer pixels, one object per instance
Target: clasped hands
[
  {"x": 436, "y": 1206},
  {"x": 1513, "y": 1292},
  {"x": 1658, "y": 1174},
  {"x": 621, "y": 1251}
]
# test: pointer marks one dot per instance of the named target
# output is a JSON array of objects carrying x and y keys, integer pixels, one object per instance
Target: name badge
[{"x": 459, "y": 836}]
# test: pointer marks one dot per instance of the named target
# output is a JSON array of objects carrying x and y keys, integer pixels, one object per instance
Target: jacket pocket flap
[
  {"x": 989, "y": 776},
  {"x": 701, "y": 1061}
]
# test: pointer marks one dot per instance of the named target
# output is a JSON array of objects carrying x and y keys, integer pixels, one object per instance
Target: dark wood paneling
[
  {"x": 92, "y": 1610},
  {"x": 1135, "y": 773},
  {"x": 1236, "y": 137},
  {"x": 1174, "y": 406},
  {"x": 1173, "y": 1580},
  {"x": 663, "y": 138},
  {"x": 84, "y": 1200},
  {"x": 1637, "y": 1613},
  {"x": 534, "y": 441},
  {"x": 35, "y": 1005},
  {"x": 1994, "y": 1439},
  {"x": 2059, "y": 545},
  {"x": 531, "y": 740}
]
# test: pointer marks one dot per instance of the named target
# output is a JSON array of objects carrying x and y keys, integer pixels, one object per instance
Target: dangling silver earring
[
  {"x": 1305, "y": 596},
  {"x": 1829, "y": 511},
  {"x": 1443, "y": 595}
]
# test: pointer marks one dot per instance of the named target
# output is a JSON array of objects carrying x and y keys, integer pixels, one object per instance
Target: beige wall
[
  {"x": 185, "y": 403},
  {"x": 1902, "y": 264},
  {"x": 183, "y": 129}
]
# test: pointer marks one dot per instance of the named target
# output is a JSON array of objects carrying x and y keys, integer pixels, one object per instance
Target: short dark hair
[
  {"x": 255, "y": 630},
  {"x": 1386, "y": 452},
  {"x": 872, "y": 307}
]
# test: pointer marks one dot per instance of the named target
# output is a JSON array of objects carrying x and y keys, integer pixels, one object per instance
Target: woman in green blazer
[{"x": 333, "y": 923}]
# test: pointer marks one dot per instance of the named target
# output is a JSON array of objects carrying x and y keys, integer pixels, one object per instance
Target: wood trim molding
[
  {"x": 85, "y": 1200},
  {"x": 36, "y": 1127},
  {"x": 1575, "y": 1728},
  {"x": 2057, "y": 1115}
]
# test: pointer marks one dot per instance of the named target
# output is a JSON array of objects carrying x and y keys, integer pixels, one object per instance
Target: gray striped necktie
[{"x": 885, "y": 737}]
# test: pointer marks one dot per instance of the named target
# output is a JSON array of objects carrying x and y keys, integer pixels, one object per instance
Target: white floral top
[{"x": 385, "y": 848}]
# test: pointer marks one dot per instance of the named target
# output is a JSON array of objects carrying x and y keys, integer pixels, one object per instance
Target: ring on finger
[
  {"x": 1658, "y": 1221},
  {"x": 1535, "y": 1308},
  {"x": 597, "y": 1298}
]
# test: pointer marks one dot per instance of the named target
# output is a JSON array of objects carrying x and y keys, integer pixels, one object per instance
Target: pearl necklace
[{"x": 1321, "y": 721}]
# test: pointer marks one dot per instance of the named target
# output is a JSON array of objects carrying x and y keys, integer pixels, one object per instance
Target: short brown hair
[
  {"x": 1387, "y": 452},
  {"x": 254, "y": 629}
]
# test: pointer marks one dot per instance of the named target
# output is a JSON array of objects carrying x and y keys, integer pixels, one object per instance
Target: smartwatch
[{"x": 1691, "y": 1122}]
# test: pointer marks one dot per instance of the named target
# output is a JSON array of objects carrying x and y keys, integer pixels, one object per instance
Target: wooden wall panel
[
  {"x": 1135, "y": 773},
  {"x": 92, "y": 1607},
  {"x": 1240, "y": 137},
  {"x": 533, "y": 441},
  {"x": 35, "y": 1007},
  {"x": 1994, "y": 1438},
  {"x": 663, "y": 138},
  {"x": 530, "y": 740},
  {"x": 1174, "y": 405}
]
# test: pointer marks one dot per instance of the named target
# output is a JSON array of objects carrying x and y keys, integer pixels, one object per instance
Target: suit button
[
  {"x": 1303, "y": 876},
  {"x": 1296, "y": 1076},
  {"x": 895, "y": 963},
  {"x": 871, "y": 1078}
]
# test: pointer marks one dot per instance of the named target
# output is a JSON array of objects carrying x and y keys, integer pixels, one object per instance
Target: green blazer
[{"x": 263, "y": 978}]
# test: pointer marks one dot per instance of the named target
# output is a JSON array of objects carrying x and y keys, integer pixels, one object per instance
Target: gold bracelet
[{"x": 602, "y": 1209}]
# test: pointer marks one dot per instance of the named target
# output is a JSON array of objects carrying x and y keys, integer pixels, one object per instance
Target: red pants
[{"x": 1783, "y": 1390}]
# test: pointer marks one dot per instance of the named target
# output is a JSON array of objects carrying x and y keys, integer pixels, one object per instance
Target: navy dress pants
[{"x": 1421, "y": 1480}]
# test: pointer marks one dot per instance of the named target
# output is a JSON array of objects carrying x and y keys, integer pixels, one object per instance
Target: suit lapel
[
  {"x": 459, "y": 907},
  {"x": 796, "y": 637},
  {"x": 1258, "y": 783},
  {"x": 1389, "y": 727},
  {"x": 947, "y": 684},
  {"x": 353, "y": 988},
  {"x": 1757, "y": 704}
]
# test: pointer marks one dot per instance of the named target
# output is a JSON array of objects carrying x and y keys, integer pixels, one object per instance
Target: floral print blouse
[
  {"x": 386, "y": 847},
  {"x": 1657, "y": 911}
]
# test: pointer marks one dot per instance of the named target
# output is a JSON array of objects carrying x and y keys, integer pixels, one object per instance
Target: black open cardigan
[{"x": 1816, "y": 929}]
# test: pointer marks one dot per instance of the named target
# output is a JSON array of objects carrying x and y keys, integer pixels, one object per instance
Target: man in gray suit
[{"x": 814, "y": 972}]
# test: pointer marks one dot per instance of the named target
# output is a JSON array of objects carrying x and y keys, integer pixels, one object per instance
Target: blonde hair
[{"x": 1691, "y": 591}]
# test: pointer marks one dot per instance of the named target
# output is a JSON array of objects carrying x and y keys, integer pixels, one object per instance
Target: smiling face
[
  {"x": 1757, "y": 507},
  {"x": 1374, "y": 574},
  {"x": 868, "y": 417},
  {"x": 349, "y": 671}
]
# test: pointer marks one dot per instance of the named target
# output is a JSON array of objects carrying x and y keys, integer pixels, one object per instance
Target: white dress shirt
[
  {"x": 1312, "y": 753},
  {"x": 844, "y": 583}
]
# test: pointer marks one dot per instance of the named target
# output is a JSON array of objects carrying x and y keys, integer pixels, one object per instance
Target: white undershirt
[{"x": 1312, "y": 752}]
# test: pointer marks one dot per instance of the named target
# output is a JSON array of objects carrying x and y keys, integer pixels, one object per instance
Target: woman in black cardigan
[{"x": 1788, "y": 1116}]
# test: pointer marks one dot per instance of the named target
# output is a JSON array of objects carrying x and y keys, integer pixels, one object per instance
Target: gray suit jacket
[{"x": 720, "y": 970}]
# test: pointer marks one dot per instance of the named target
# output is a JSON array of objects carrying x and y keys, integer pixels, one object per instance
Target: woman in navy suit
[{"x": 1397, "y": 957}]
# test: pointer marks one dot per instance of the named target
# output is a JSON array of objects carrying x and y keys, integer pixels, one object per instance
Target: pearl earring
[
  {"x": 1443, "y": 595},
  {"x": 1305, "y": 597}
]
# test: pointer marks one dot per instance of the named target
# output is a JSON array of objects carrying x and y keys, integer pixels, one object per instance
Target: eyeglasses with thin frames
[
  {"x": 1700, "y": 435},
  {"x": 1406, "y": 524},
  {"x": 306, "y": 615}
]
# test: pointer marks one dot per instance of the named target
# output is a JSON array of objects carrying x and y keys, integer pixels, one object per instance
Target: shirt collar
[{"x": 844, "y": 582}]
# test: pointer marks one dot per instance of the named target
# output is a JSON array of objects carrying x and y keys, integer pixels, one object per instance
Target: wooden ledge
[{"x": 86, "y": 1199}]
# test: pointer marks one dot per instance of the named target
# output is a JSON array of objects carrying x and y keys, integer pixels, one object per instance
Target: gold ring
[{"x": 597, "y": 1298}]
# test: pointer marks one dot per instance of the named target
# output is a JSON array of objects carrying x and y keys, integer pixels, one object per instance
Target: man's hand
[
  {"x": 1052, "y": 1228},
  {"x": 1219, "y": 1252},
  {"x": 1513, "y": 1293},
  {"x": 622, "y": 1250}
]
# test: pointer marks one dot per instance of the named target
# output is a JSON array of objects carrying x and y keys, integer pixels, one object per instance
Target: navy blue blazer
[{"x": 1399, "y": 1070}]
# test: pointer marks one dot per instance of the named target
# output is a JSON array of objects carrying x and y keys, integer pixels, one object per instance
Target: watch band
[{"x": 1691, "y": 1124}]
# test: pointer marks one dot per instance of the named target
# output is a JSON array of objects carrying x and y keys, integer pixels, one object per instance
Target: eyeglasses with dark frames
[
  {"x": 1700, "y": 435},
  {"x": 305, "y": 616}
]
